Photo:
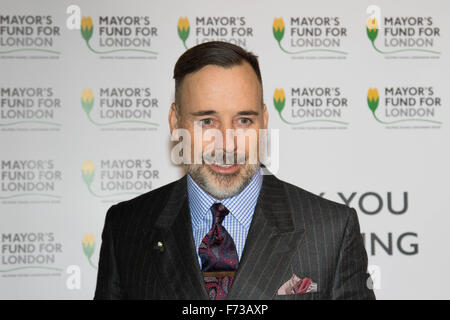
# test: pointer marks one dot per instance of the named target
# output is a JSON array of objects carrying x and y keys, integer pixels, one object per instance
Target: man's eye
[
  {"x": 206, "y": 122},
  {"x": 245, "y": 121}
]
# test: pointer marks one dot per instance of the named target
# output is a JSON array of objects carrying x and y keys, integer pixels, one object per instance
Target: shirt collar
[{"x": 241, "y": 206}]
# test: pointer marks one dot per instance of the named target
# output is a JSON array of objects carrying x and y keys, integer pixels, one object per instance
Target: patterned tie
[{"x": 218, "y": 255}]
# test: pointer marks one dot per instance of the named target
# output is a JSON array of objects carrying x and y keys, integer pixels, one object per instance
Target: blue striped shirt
[{"x": 237, "y": 222}]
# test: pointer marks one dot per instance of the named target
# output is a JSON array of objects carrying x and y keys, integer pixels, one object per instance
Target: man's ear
[{"x": 173, "y": 118}]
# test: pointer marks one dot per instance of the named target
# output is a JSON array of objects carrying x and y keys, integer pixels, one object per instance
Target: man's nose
[{"x": 229, "y": 143}]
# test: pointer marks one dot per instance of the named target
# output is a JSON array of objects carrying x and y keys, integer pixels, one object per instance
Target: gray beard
[{"x": 222, "y": 186}]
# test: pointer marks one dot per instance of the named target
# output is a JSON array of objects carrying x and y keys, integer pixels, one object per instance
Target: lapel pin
[{"x": 160, "y": 246}]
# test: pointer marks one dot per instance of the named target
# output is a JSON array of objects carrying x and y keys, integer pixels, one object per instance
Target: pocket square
[{"x": 296, "y": 285}]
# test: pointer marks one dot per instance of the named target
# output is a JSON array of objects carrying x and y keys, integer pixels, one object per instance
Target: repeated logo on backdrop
[
  {"x": 404, "y": 35},
  {"x": 28, "y": 254},
  {"x": 119, "y": 179},
  {"x": 235, "y": 30},
  {"x": 30, "y": 181},
  {"x": 311, "y": 37},
  {"x": 120, "y": 108},
  {"x": 30, "y": 109},
  {"x": 406, "y": 107},
  {"x": 29, "y": 37},
  {"x": 312, "y": 107},
  {"x": 120, "y": 35}
]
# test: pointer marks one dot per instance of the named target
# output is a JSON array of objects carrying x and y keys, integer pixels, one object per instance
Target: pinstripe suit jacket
[{"x": 292, "y": 231}]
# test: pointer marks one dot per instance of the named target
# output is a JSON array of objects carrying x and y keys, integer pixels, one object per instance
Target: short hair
[{"x": 218, "y": 53}]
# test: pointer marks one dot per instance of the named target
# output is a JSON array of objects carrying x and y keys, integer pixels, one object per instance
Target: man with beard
[{"x": 225, "y": 229}]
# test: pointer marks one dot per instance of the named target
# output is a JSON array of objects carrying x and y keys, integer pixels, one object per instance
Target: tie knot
[{"x": 219, "y": 211}]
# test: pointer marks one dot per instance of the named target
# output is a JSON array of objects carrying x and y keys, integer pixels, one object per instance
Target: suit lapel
[
  {"x": 177, "y": 263},
  {"x": 271, "y": 243}
]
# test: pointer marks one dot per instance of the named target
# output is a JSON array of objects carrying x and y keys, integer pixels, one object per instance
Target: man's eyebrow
[
  {"x": 203, "y": 113},
  {"x": 210, "y": 112},
  {"x": 248, "y": 113}
]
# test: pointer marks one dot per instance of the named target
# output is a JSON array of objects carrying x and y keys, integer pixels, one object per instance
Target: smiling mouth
[
  {"x": 224, "y": 168},
  {"x": 223, "y": 165}
]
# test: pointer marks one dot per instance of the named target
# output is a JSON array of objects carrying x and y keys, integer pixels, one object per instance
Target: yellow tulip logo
[
  {"x": 87, "y": 172},
  {"x": 278, "y": 28},
  {"x": 373, "y": 98},
  {"x": 183, "y": 29},
  {"x": 372, "y": 24},
  {"x": 372, "y": 29},
  {"x": 87, "y": 28},
  {"x": 88, "y": 245},
  {"x": 87, "y": 100},
  {"x": 87, "y": 95},
  {"x": 279, "y": 100}
]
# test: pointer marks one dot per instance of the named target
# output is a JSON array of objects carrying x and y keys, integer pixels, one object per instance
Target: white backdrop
[{"x": 84, "y": 124}]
